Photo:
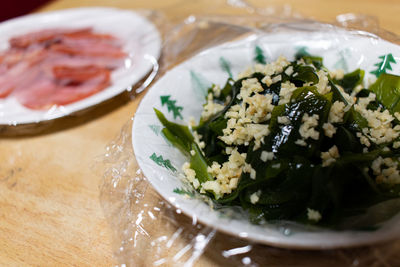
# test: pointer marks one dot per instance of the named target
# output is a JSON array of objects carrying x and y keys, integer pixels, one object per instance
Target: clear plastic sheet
[
  {"x": 143, "y": 31},
  {"x": 148, "y": 231}
]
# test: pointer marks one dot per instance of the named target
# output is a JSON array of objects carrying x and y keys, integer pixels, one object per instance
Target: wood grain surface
[{"x": 50, "y": 214}]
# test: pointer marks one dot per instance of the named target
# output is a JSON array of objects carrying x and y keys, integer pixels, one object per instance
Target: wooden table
[{"x": 50, "y": 213}]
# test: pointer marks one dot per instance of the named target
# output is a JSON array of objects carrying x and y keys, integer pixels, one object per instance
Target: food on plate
[
  {"x": 58, "y": 66},
  {"x": 295, "y": 141}
]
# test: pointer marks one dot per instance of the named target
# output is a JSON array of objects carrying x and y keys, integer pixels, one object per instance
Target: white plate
[
  {"x": 186, "y": 85},
  {"x": 140, "y": 39}
]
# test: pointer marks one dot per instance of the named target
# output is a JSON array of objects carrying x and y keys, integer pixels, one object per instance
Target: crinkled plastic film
[
  {"x": 154, "y": 25},
  {"x": 148, "y": 231}
]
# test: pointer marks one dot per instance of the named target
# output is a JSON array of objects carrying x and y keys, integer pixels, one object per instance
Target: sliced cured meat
[
  {"x": 14, "y": 77},
  {"x": 88, "y": 48},
  {"x": 42, "y": 36},
  {"x": 45, "y": 92},
  {"x": 108, "y": 63},
  {"x": 90, "y": 35},
  {"x": 69, "y": 75},
  {"x": 58, "y": 66}
]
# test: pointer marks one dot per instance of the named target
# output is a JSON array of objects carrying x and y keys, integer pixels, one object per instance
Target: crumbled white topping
[
  {"x": 267, "y": 80},
  {"x": 255, "y": 197},
  {"x": 363, "y": 139},
  {"x": 388, "y": 175},
  {"x": 227, "y": 175},
  {"x": 287, "y": 89},
  {"x": 265, "y": 156},
  {"x": 211, "y": 108},
  {"x": 216, "y": 90},
  {"x": 396, "y": 144},
  {"x": 268, "y": 69},
  {"x": 289, "y": 70},
  {"x": 300, "y": 142},
  {"x": 380, "y": 129},
  {"x": 283, "y": 120},
  {"x": 244, "y": 119},
  {"x": 397, "y": 115},
  {"x": 197, "y": 137},
  {"x": 253, "y": 174},
  {"x": 330, "y": 156},
  {"x": 190, "y": 175},
  {"x": 313, "y": 215},
  {"x": 336, "y": 112},
  {"x": 329, "y": 129},
  {"x": 337, "y": 74},
  {"x": 307, "y": 128},
  {"x": 276, "y": 79},
  {"x": 322, "y": 85}
]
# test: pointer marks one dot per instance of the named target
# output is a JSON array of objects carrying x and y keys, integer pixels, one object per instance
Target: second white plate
[{"x": 139, "y": 36}]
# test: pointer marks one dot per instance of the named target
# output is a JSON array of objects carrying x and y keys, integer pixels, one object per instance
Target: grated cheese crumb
[
  {"x": 283, "y": 120},
  {"x": 300, "y": 142},
  {"x": 253, "y": 174},
  {"x": 255, "y": 197},
  {"x": 313, "y": 215},
  {"x": 232, "y": 169},
  {"x": 330, "y": 156},
  {"x": 307, "y": 129},
  {"x": 265, "y": 156},
  {"x": 336, "y": 112},
  {"x": 289, "y": 70},
  {"x": 329, "y": 129},
  {"x": 396, "y": 144},
  {"x": 322, "y": 85},
  {"x": 337, "y": 74}
]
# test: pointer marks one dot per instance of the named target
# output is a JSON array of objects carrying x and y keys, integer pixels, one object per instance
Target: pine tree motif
[
  {"x": 225, "y": 66},
  {"x": 182, "y": 191},
  {"x": 200, "y": 84},
  {"x": 302, "y": 51},
  {"x": 162, "y": 162},
  {"x": 259, "y": 55},
  {"x": 155, "y": 128},
  {"x": 384, "y": 64},
  {"x": 176, "y": 110},
  {"x": 342, "y": 62}
]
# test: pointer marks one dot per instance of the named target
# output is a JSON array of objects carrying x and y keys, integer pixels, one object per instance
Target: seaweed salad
[{"x": 291, "y": 140}]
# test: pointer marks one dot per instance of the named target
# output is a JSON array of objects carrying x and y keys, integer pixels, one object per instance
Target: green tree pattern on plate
[
  {"x": 159, "y": 160},
  {"x": 384, "y": 64},
  {"x": 182, "y": 191},
  {"x": 200, "y": 84},
  {"x": 259, "y": 56},
  {"x": 225, "y": 66},
  {"x": 171, "y": 105},
  {"x": 342, "y": 62},
  {"x": 156, "y": 128},
  {"x": 302, "y": 51}
]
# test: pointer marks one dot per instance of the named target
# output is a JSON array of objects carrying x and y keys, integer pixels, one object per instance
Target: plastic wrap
[
  {"x": 140, "y": 35},
  {"x": 149, "y": 231}
]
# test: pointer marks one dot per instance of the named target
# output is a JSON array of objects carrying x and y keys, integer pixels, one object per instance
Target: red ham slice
[
  {"x": 80, "y": 35},
  {"x": 42, "y": 36},
  {"x": 58, "y": 66},
  {"x": 46, "y": 92},
  {"x": 88, "y": 48},
  {"x": 68, "y": 75}
]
